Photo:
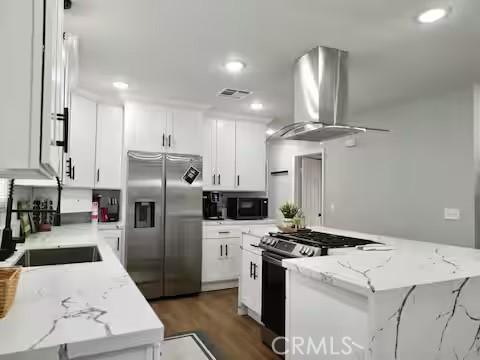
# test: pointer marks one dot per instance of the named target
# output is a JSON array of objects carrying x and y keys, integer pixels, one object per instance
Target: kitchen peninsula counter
[{"x": 382, "y": 300}]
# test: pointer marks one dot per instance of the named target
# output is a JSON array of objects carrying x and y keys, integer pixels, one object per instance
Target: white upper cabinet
[
  {"x": 31, "y": 72},
  {"x": 161, "y": 129},
  {"x": 109, "y": 149},
  {"x": 183, "y": 130},
  {"x": 250, "y": 156},
  {"x": 209, "y": 152},
  {"x": 234, "y": 155},
  {"x": 219, "y": 154},
  {"x": 80, "y": 160},
  {"x": 225, "y": 161},
  {"x": 145, "y": 128}
]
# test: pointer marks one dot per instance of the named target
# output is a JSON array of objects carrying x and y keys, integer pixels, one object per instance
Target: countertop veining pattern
[{"x": 76, "y": 303}]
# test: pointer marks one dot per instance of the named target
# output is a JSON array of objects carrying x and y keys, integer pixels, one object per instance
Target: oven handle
[{"x": 273, "y": 259}]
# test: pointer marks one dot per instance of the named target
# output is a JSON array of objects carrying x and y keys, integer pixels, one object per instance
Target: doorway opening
[{"x": 309, "y": 187}]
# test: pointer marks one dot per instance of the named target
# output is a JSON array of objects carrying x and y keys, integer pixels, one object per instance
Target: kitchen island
[
  {"x": 85, "y": 310},
  {"x": 410, "y": 300}
]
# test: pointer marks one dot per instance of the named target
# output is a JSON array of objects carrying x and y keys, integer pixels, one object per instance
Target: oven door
[
  {"x": 249, "y": 208},
  {"x": 273, "y": 293}
]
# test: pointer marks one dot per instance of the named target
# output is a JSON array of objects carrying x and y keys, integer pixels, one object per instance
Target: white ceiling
[{"x": 174, "y": 50}]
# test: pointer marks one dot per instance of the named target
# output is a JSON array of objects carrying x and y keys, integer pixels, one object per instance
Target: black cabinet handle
[
  {"x": 163, "y": 140},
  {"x": 69, "y": 168},
  {"x": 118, "y": 244},
  {"x": 226, "y": 250},
  {"x": 98, "y": 175},
  {"x": 238, "y": 180},
  {"x": 255, "y": 272},
  {"x": 224, "y": 232},
  {"x": 221, "y": 250},
  {"x": 219, "y": 182},
  {"x": 169, "y": 140},
  {"x": 251, "y": 269},
  {"x": 65, "y": 118},
  {"x": 214, "y": 179}
]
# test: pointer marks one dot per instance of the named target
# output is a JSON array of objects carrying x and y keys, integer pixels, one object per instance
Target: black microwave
[{"x": 247, "y": 208}]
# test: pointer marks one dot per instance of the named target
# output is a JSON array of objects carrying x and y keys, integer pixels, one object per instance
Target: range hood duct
[{"x": 321, "y": 98}]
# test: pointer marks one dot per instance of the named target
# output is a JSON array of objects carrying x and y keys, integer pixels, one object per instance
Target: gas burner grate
[{"x": 320, "y": 239}]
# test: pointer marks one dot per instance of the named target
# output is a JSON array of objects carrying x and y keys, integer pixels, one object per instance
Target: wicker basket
[{"x": 8, "y": 287}]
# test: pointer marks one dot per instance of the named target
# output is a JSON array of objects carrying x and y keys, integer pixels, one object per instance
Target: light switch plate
[{"x": 451, "y": 214}]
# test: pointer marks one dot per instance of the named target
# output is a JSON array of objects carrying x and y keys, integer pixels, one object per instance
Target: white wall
[{"x": 399, "y": 183}]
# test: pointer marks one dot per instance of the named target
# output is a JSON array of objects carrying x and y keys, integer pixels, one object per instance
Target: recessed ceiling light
[
  {"x": 120, "y": 85},
  {"x": 432, "y": 15},
  {"x": 234, "y": 66},
  {"x": 270, "y": 131},
  {"x": 256, "y": 106}
]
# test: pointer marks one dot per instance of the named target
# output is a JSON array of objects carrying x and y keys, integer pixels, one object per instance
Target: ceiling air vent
[{"x": 234, "y": 94}]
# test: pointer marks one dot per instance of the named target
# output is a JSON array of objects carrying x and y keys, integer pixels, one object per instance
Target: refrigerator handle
[{"x": 221, "y": 250}]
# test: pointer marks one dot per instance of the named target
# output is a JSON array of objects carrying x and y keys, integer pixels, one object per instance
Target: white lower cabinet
[
  {"x": 221, "y": 259},
  {"x": 251, "y": 281},
  {"x": 114, "y": 238},
  {"x": 149, "y": 352}
]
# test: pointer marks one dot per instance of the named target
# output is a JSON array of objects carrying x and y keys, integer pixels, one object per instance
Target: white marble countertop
[
  {"x": 91, "y": 307},
  {"x": 408, "y": 263}
]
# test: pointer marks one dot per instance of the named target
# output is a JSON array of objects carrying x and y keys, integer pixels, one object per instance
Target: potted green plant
[{"x": 288, "y": 210}]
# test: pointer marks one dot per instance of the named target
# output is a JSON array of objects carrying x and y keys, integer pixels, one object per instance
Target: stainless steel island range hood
[{"x": 321, "y": 97}]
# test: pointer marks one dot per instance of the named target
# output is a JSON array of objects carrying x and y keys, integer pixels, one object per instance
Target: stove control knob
[
  {"x": 302, "y": 250},
  {"x": 274, "y": 242},
  {"x": 311, "y": 252},
  {"x": 270, "y": 241}
]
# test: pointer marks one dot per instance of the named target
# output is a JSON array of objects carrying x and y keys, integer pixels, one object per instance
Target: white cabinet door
[
  {"x": 245, "y": 279},
  {"x": 232, "y": 255},
  {"x": 109, "y": 147},
  {"x": 209, "y": 153},
  {"x": 81, "y": 169},
  {"x": 52, "y": 100},
  {"x": 184, "y": 129},
  {"x": 256, "y": 284},
  {"x": 250, "y": 156},
  {"x": 114, "y": 239},
  {"x": 251, "y": 281},
  {"x": 146, "y": 128},
  {"x": 28, "y": 69},
  {"x": 225, "y": 164},
  {"x": 212, "y": 260},
  {"x": 221, "y": 259}
]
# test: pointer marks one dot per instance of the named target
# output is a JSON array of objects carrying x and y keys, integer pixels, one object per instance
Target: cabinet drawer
[
  {"x": 222, "y": 233},
  {"x": 250, "y": 243}
]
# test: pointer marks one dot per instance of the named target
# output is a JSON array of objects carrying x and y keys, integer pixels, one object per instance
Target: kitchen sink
[{"x": 59, "y": 256}]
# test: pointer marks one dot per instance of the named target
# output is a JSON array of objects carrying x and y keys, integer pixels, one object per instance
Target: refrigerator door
[
  {"x": 145, "y": 246},
  {"x": 183, "y": 225}
]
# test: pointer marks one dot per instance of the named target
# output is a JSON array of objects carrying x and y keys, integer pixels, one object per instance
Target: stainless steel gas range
[{"x": 279, "y": 246}]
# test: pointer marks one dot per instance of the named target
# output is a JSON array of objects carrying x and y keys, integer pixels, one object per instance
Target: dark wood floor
[{"x": 214, "y": 313}]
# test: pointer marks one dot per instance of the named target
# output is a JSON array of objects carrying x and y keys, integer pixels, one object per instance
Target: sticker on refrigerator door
[{"x": 191, "y": 175}]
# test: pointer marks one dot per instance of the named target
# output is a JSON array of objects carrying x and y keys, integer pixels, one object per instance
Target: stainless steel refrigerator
[{"x": 164, "y": 223}]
